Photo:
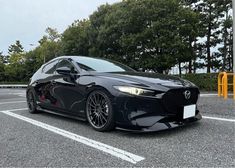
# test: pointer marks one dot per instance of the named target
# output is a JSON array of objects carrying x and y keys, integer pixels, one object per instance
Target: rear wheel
[
  {"x": 99, "y": 111},
  {"x": 31, "y": 101}
]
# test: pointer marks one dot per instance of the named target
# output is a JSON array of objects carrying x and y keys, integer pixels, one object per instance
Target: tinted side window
[
  {"x": 50, "y": 68},
  {"x": 65, "y": 63}
]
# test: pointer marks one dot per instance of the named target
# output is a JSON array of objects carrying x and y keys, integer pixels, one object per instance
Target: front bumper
[
  {"x": 146, "y": 114},
  {"x": 160, "y": 126}
]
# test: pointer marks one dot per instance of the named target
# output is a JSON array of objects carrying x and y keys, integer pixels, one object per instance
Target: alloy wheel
[{"x": 98, "y": 109}]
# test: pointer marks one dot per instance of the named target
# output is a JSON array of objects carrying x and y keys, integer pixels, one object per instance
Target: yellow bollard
[
  {"x": 220, "y": 84},
  {"x": 234, "y": 86},
  {"x": 225, "y": 85},
  {"x": 219, "y": 88}
]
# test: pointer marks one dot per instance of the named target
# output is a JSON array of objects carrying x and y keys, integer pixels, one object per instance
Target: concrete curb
[{"x": 13, "y": 86}]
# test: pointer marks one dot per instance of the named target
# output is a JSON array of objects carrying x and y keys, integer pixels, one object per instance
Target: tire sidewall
[{"x": 110, "y": 123}]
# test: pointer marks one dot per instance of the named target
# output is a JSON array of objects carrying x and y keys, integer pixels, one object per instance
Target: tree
[
  {"x": 50, "y": 46},
  {"x": 52, "y": 34},
  {"x": 14, "y": 70},
  {"x": 16, "y": 48},
  {"x": 75, "y": 38},
  {"x": 1, "y": 58},
  {"x": 97, "y": 21},
  {"x": 226, "y": 49},
  {"x": 2, "y": 71},
  {"x": 32, "y": 63},
  {"x": 211, "y": 11},
  {"x": 147, "y": 34},
  {"x": 189, "y": 30}
]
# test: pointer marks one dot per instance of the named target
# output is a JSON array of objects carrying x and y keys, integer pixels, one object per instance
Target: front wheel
[
  {"x": 31, "y": 101},
  {"x": 99, "y": 111}
]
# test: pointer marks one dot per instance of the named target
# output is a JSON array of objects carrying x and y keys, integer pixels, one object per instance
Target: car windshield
[{"x": 100, "y": 65}]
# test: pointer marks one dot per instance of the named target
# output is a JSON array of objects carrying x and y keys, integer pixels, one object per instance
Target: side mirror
[{"x": 63, "y": 71}]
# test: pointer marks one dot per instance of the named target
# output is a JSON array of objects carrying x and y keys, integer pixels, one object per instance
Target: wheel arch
[{"x": 99, "y": 87}]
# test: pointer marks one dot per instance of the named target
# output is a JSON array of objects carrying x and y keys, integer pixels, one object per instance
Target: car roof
[
  {"x": 64, "y": 57},
  {"x": 67, "y": 56}
]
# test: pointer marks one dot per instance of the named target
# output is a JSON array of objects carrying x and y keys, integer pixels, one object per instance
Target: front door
[{"x": 65, "y": 88}]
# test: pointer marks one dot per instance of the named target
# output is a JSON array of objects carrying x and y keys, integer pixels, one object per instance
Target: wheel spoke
[
  {"x": 95, "y": 119},
  {"x": 104, "y": 113},
  {"x": 98, "y": 120},
  {"x": 95, "y": 100},
  {"x": 101, "y": 121},
  {"x": 103, "y": 103},
  {"x": 92, "y": 101},
  {"x": 105, "y": 120},
  {"x": 101, "y": 99},
  {"x": 91, "y": 104}
]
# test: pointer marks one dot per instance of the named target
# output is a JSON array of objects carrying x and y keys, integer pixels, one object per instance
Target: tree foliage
[
  {"x": 147, "y": 34},
  {"x": 75, "y": 39},
  {"x": 15, "y": 48}
]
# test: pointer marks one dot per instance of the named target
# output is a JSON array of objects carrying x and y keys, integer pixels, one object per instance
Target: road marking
[
  {"x": 124, "y": 155},
  {"x": 220, "y": 119},
  {"x": 19, "y": 94},
  {"x": 17, "y": 109},
  {"x": 208, "y": 95},
  {"x": 10, "y": 102},
  {"x": 211, "y": 95}
]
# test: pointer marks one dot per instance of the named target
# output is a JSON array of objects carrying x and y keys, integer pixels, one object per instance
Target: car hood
[{"x": 147, "y": 79}]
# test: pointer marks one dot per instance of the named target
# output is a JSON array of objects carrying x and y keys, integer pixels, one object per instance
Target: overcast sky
[{"x": 26, "y": 20}]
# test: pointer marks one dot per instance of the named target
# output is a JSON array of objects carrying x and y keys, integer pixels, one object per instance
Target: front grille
[{"x": 174, "y": 100}]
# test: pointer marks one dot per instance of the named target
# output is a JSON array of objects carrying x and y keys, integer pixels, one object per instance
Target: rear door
[{"x": 44, "y": 85}]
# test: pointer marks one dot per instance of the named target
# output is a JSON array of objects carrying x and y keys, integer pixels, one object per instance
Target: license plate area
[{"x": 189, "y": 111}]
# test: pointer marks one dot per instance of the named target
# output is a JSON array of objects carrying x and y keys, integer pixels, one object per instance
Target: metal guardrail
[{"x": 13, "y": 86}]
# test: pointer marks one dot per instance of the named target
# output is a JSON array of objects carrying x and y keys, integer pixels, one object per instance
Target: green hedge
[{"x": 205, "y": 81}]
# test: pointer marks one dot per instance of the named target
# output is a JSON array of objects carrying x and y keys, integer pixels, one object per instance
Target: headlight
[{"x": 135, "y": 91}]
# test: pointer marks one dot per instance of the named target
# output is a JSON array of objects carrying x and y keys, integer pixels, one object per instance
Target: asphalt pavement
[{"x": 29, "y": 140}]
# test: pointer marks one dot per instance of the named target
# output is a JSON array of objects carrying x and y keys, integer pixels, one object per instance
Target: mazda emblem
[{"x": 187, "y": 94}]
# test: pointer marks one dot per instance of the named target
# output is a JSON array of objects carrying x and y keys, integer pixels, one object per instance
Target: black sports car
[{"x": 109, "y": 94}]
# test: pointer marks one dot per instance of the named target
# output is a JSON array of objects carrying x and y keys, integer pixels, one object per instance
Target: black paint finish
[{"x": 65, "y": 92}]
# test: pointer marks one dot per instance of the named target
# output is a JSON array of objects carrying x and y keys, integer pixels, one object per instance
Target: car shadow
[
  {"x": 162, "y": 133},
  {"x": 124, "y": 133},
  {"x": 64, "y": 118}
]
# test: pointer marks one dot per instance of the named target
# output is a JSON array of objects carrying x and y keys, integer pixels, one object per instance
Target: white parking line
[
  {"x": 124, "y": 155},
  {"x": 208, "y": 95},
  {"x": 19, "y": 94},
  {"x": 211, "y": 95},
  {"x": 12, "y": 102},
  {"x": 17, "y": 109},
  {"x": 218, "y": 118}
]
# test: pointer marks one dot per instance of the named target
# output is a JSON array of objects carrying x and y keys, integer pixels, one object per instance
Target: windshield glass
[{"x": 100, "y": 65}]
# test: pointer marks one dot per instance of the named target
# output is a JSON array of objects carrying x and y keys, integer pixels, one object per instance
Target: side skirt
[{"x": 60, "y": 114}]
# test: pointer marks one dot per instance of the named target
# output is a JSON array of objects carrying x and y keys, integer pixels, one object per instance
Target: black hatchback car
[{"x": 109, "y": 94}]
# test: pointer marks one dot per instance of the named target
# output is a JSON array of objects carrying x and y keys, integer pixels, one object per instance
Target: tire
[
  {"x": 99, "y": 111},
  {"x": 31, "y": 101}
]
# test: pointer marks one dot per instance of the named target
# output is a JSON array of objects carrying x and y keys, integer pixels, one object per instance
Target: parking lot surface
[{"x": 49, "y": 140}]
